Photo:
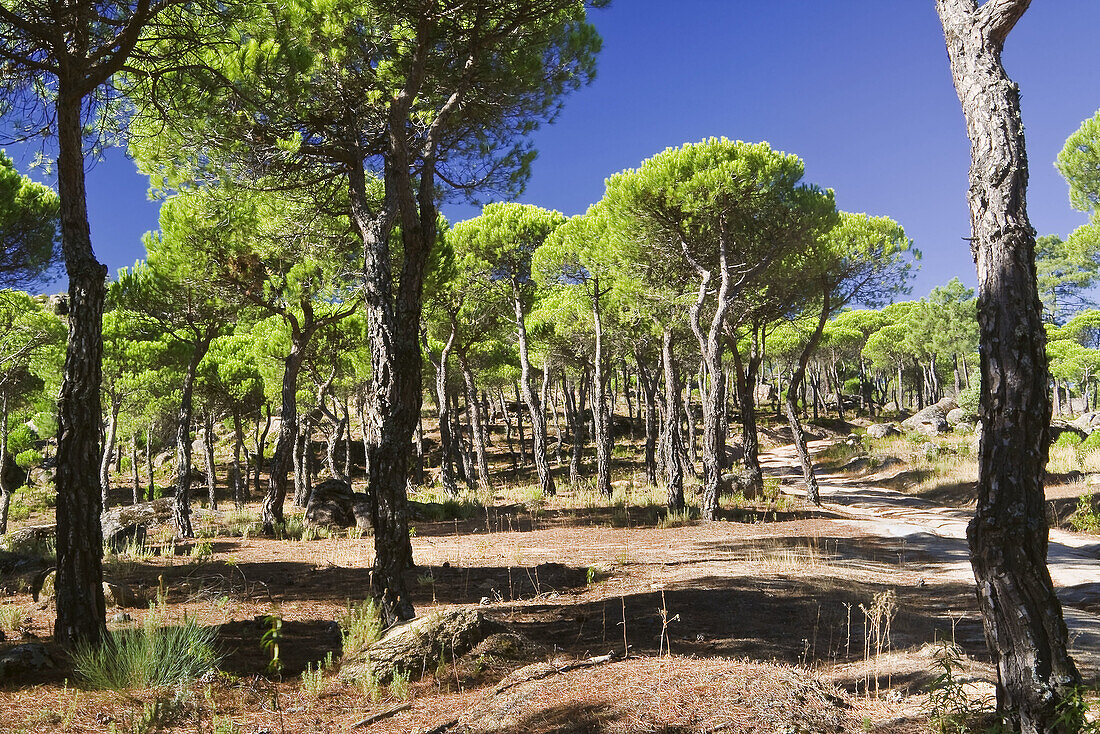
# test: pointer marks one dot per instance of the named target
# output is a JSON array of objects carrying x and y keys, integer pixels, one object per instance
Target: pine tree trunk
[
  {"x": 478, "y": 427},
  {"x": 446, "y": 437},
  {"x": 183, "y": 442},
  {"x": 81, "y": 611},
  {"x": 208, "y": 448},
  {"x": 152, "y": 487},
  {"x": 108, "y": 455},
  {"x": 534, "y": 406},
  {"x": 601, "y": 421},
  {"x": 134, "y": 475},
  {"x": 271, "y": 509},
  {"x": 746, "y": 378},
  {"x": 239, "y": 480},
  {"x": 1024, "y": 628},
  {"x": 648, "y": 385},
  {"x": 5, "y": 490},
  {"x": 813, "y": 492},
  {"x": 674, "y": 471}
]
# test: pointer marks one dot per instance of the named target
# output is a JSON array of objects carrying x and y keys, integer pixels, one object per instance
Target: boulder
[
  {"x": 360, "y": 508},
  {"x": 26, "y": 663},
  {"x": 765, "y": 393},
  {"x": 1087, "y": 422},
  {"x": 127, "y": 524},
  {"x": 30, "y": 540},
  {"x": 882, "y": 430},
  {"x": 1059, "y": 426},
  {"x": 955, "y": 416},
  {"x": 932, "y": 420},
  {"x": 964, "y": 428},
  {"x": 331, "y": 505},
  {"x": 416, "y": 646},
  {"x": 742, "y": 482},
  {"x": 119, "y": 595}
]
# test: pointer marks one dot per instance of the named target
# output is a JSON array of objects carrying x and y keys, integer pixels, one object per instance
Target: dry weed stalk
[{"x": 876, "y": 633}]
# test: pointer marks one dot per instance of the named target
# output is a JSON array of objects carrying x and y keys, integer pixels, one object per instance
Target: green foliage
[
  {"x": 271, "y": 640},
  {"x": 1085, "y": 518},
  {"x": 29, "y": 227},
  {"x": 969, "y": 399},
  {"x": 20, "y": 439},
  {"x": 1068, "y": 439},
  {"x": 1091, "y": 442},
  {"x": 951, "y": 710},
  {"x": 28, "y": 459},
  {"x": 361, "y": 625},
  {"x": 154, "y": 655}
]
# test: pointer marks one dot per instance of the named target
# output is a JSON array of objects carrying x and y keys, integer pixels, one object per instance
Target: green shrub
[
  {"x": 852, "y": 386},
  {"x": 1091, "y": 442},
  {"x": 1085, "y": 519},
  {"x": 20, "y": 439},
  {"x": 28, "y": 459},
  {"x": 154, "y": 655},
  {"x": 1068, "y": 439},
  {"x": 361, "y": 624},
  {"x": 968, "y": 400}
]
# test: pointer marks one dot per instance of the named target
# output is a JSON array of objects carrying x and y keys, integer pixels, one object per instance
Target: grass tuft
[{"x": 154, "y": 655}]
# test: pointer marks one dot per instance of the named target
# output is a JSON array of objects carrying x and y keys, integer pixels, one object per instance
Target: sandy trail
[{"x": 939, "y": 533}]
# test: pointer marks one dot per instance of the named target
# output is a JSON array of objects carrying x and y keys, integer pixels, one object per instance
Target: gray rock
[
  {"x": 955, "y": 416},
  {"x": 742, "y": 482},
  {"x": 932, "y": 420},
  {"x": 25, "y": 662},
  {"x": 1087, "y": 423},
  {"x": 331, "y": 505},
  {"x": 33, "y": 539},
  {"x": 127, "y": 524},
  {"x": 964, "y": 428},
  {"x": 882, "y": 430},
  {"x": 121, "y": 617},
  {"x": 119, "y": 595},
  {"x": 1059, "y": 426}
]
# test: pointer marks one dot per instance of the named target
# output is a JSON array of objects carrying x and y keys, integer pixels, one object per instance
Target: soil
[{"x": 781, "y": 615}]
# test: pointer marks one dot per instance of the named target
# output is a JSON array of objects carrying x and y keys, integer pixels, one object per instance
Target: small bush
[
  {"x": 28, "y": 459},
  {"x": 968, "y": 400},
  {"x": 21, "y": 438},
  {"x": 1092, "y": 441},
  {"x": 684, "y": 517},
  {"x": 361, "y": 624},
  {"x": 152, "y": 656},
  {"x": 11, "y": 617},
  {"x": 1068, "y": 439},
  {"x": 1085, "y": 519}
]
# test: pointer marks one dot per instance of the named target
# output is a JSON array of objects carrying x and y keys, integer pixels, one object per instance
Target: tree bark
[
  {"x": 601, "y": 420},
  {"x": 1024, "y": 628},
  {"x": 648, "y": 384},
  {"x": 81, "y": 611},
  {"x": 674, "y": 470},
  {"x": 108, "y": 454},
  {"x": 271, "y": 509},
  {"x": 183, "y": 441},
  {"x": 152, "y": 487},
  {"x": 813, "y": 492},
  {"x": 208, "y": 449},
  {"x": 134, "y": 475},
  {"x": 478, "y": 423},
  {"x": 5, "y": 490},
  {"x": 534, "y": 406}
]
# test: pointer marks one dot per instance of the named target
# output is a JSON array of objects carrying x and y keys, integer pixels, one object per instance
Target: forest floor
[{"x": 783, "y": 617}]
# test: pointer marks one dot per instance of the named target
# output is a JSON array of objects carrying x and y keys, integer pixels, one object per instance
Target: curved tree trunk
[
  {"x": 1024, "y": 628},
  {"x": 183, "y": 442},
  {"x": 534, "y": 406},
  {"x": 81, "y": 611},
  {"x": 648, "y": 383},
  {"x": 750, "y": 437},
  {"x": 271, "y": 509},
  {"x": 813, "y": 492},
  {"x": 5, "y": 490},
  {"x": 239, "y": 480}
]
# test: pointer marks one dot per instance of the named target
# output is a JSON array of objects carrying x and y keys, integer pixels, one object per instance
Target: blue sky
[{"x": 860, "y": 89}]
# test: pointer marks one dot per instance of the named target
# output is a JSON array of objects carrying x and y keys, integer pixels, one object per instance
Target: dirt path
[{"x": 938, "y": 534}]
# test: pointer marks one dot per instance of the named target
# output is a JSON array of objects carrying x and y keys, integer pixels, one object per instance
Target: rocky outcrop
[
  {"x": 956, "y": 416},
  {"x": 932, "y": 420},
  {"x": 128, "y": 524},
  {"x": 1059, "y": 427},
  {"x": 882, "y": 430},
  {"x": 1087, "y": 423},
  {"x": 331, "y": 505},
  {"x": 416, "y": 646},
  {"x": 26, "y": 663}
]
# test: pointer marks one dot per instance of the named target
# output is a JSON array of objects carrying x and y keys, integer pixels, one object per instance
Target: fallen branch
[{"x": 381, "y": 715}]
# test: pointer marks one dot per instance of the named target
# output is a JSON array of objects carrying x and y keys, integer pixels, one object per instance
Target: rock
[
  {"x": 119, "y": 595},
  {"x": 882, "y": 430},
  {"x": 955, "y": 416},
  {"x": 331, "y": 505},
  {"x": 964, "y": 428},
  {"x": 1059, "y": 426},
  {"x": 1088, "y": 422},
  {"x": 121, "y": 617},
  {"x": 128, "y": 524},
  {"x": 26, "y": 662},
  {"x": 890, "y": 407},
  {"x": 31, "y": 540},
  {"x": 765, "y": 393},
  {"x": 416, "y": 646},
  {"x": 742, "y": 482},
  {"x": 360, "y": 508},
  {"x": 1092, "y": 480},
  {"x": 932, "y": 420},
  {"x": 45, "y": 592}
]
